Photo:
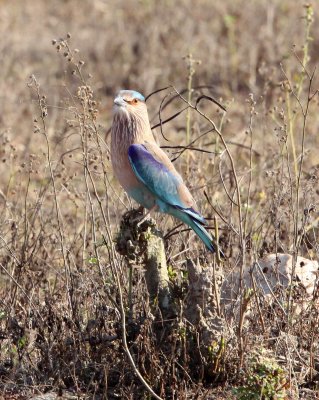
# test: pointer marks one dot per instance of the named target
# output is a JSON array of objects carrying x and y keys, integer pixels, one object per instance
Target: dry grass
[{"x": 61, "y": 280}]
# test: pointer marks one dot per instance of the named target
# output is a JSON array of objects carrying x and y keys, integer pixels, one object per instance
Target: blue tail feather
[
  {"x": 198, "y": 228},
  {"x": 205, "y": 237}
]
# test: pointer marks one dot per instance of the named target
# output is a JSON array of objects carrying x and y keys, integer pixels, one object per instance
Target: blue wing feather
[
  {"x": 154, "y": 174},
  {"x": 164, "y": 185},
  {"x": 158, "y": 179}
]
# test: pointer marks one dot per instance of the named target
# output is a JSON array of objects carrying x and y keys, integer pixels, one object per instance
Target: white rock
[
  {"x": 278, "y": 269},
  {"x": 274, "y": 271}
]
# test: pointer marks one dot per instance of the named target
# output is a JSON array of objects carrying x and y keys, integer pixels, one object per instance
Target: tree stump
[{"x": 143, "y": 244}]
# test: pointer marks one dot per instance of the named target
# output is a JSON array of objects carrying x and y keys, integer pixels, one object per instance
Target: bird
[{"x": 145, "y": 171}]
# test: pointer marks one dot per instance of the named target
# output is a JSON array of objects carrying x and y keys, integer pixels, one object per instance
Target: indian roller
[{"x": 144, "y": 169}]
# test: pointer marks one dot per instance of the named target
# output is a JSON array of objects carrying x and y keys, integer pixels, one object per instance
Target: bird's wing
[{"x": 155, "y": 170}]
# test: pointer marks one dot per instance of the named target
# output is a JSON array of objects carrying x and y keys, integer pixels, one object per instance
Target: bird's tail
[{"x": 199, "y": 229}]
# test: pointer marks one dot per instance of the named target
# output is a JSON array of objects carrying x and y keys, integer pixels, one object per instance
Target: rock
[{"x": 268, "y": 275}]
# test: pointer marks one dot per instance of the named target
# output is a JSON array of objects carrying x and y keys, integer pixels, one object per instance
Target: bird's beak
[{"x": 119, "y": 101}]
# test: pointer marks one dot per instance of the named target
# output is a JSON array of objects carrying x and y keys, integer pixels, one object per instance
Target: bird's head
[
  {"x": 129, "y": 102},
  {"x": 130, "y": 119}
]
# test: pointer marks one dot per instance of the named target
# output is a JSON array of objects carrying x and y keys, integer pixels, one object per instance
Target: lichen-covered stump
[
  {"x": 202, "y": 311},
  {"x": 142, "y": 244}
]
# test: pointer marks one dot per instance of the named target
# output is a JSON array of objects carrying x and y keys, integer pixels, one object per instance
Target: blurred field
[{"x": 61, "y": 207}]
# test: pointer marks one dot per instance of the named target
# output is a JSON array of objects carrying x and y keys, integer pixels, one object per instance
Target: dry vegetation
[{"x": 63, "y": 286}]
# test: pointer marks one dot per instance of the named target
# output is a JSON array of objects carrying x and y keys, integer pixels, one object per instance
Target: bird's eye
[{"x": 134, "y": 101}]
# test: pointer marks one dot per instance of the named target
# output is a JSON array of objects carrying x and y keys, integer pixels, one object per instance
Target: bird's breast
[{"x": 124, "y": 173}]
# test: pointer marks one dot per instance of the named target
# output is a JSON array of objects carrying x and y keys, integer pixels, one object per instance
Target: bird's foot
[{"x": 140, "y": 221}]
